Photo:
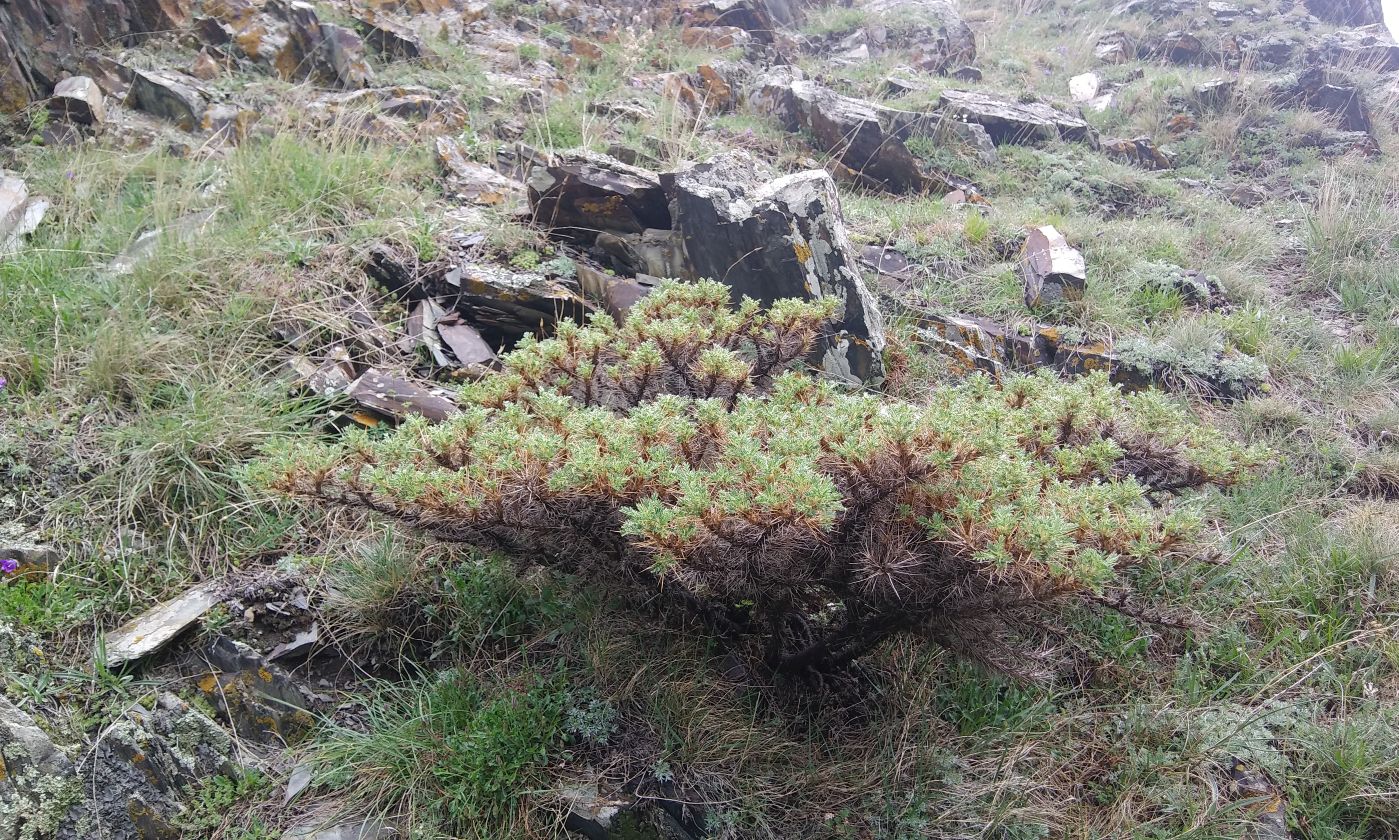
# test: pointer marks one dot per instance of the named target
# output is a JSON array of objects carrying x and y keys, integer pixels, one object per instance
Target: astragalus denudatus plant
[{"x": 680, "y": 456}]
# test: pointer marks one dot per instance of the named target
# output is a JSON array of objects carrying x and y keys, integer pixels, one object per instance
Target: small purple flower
[
  {"x": 8, "y": 565},
  {"x": 3, "y": 383}
]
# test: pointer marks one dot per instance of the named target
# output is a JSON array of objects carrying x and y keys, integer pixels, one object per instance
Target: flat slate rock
[
  {"x": 1008, "y": 121},
  {"x": 153, "y": 629}
]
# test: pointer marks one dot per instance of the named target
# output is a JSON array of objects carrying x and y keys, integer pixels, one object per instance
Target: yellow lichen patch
[
  {"x": 265, "y": 674},
  {"x": 609, "y": 205},
  {"x": 209, "y": 683},
  {"x": 803, "y": 251}
]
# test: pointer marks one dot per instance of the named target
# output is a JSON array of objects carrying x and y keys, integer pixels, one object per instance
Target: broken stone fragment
[
  {"x": 154, "y": 628},
  {"x": 1053, "y": 271},
  {"x": 397, "y": 398},
  {"x": 779, "y": 239},
  {"x": 1138, "y": 151},
  {"x": 1084, "y": 87},
  {"x": 228, "y": 123},
  {"x": 581, "y": 193},
  {"x": 167, "y": 96},
  {"x": 256, "y": 698},
  {"x": 1008, "y": 121},
  {"x": 78, "y": 99},
  {"x": 617, "y": 295},
  {"x": 465, "y": 342}
]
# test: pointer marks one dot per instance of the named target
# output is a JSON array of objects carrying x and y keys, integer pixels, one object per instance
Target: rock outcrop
[
  {"x": 867, "y": 139},
  {"x": 42, "y": 40}
]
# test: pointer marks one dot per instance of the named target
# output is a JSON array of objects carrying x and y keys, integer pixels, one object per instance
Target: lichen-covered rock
[
  {"x": 288, "y": 38},
  {"x": 41, "y": 40},
  {"x": 581, "y": 193},
  {"x": 777, "y": 239},
  {"x": 133, "y": 782},
  {"x": 257, "y": 699},
  {"x": 37, "y": 785}
]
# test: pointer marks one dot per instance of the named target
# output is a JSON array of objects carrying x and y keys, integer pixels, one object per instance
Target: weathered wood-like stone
[
  {"x": 156, "y": 627},
  {"x": 1053, "y": 271},
  {"x": 397, "y": 398},
  {"x": 781, "y": 239},
  {"x": 1008, "y": 121}
]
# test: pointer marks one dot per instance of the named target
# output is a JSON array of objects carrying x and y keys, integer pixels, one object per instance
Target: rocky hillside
[{"x": 230, "y": 228}]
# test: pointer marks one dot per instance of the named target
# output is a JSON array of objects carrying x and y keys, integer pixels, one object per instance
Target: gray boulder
[{"x": 774, "y": 239}]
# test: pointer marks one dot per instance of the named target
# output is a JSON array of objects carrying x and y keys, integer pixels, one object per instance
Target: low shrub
[{"x": 677, "y": 456}]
